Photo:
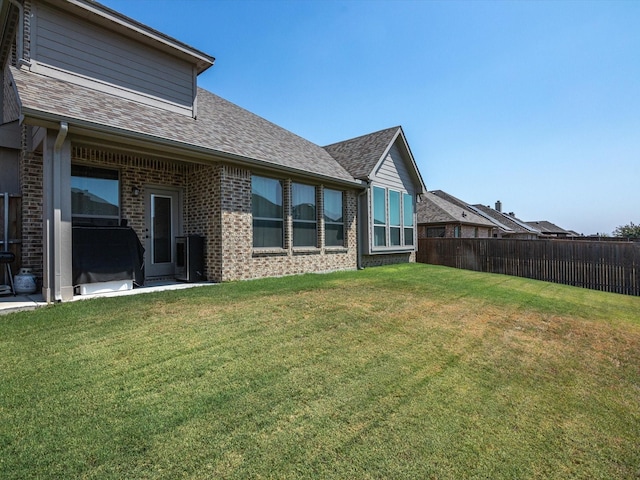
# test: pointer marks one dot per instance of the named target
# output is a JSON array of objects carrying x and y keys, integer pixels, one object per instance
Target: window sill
[
  {"x": 306, "y": 251},
  {"x": 387, "y": 250},
  {"x": 336, "y": 250},
  {"x": 267, "y": 252}
]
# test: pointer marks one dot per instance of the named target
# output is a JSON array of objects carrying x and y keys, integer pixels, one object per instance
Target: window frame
[
  {"x": 410, "y": 226},
  {"x": 277, "y": 220},
  {"x": 333, "y": 223},
  {"x": 78, "y": 171},
  {"x": 377, "y": 224},
  {"x": 398, "y": 234},
  {"x": 300, "y": 222}
]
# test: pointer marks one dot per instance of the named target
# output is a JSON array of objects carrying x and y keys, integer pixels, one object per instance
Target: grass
[{"x": 411, "y": 371}]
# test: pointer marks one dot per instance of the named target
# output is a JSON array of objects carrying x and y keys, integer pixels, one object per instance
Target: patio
[{"x": 9, "y": 303}]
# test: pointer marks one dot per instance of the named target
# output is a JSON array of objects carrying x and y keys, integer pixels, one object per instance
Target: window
[
  {"x": 456, "y": 231},
  {"x": 393, "y": 218},
  {"x": 266, "y": 206},
  {"x": 95, "y": 196},
  {"x": 436, "y": 232},
  {"x": 333, "y": 218},
  {"x": 379, "y": 217},
  {"x": 407, "y": 219},
  {"x": 303, "y": 212}
]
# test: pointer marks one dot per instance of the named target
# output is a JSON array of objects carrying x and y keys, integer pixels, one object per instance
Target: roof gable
[{"x": 362, "y": 156}]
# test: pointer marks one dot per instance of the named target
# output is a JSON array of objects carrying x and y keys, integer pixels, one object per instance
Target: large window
[
  {"x": 379, "y": 217},
  {"x": 333, "y": 218},
  {"x": 393, "y": 218},
  {"x": 303, "y": 212},
  {"x": 95, "y": 196},
  {"x": 268, "y": 219}
]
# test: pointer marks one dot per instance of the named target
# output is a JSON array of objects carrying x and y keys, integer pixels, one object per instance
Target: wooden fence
[{"x": 607, "y": 266}]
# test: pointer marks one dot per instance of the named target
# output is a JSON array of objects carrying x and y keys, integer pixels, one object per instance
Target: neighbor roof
[
  {"x": 221, "y": 128},
  {"x": 456, "y": 201},
  {"x": 548, "y": 227},
  {"x": 510, "y": 221},
  {"x": 433, "y": 209}
]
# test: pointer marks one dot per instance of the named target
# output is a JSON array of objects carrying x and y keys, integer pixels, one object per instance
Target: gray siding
[
  {"x": 74, "y": 45},
  {"x": 393, "y": 173}
]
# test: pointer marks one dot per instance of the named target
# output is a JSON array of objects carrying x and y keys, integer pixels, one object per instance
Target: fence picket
[{"x": 607, "y": 266}]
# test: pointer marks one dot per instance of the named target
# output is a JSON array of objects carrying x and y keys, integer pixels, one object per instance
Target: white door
[{"x": 162, "y": 218}]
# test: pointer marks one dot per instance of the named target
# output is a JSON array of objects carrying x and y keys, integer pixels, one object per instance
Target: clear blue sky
[{"x": 534, "y": 103}]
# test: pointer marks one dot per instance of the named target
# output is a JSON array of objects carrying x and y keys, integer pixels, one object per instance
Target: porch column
[{"x": 57, "y": 282}]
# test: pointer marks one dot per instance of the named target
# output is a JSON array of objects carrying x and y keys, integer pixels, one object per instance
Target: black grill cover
[{"x": 105, "y": 254}]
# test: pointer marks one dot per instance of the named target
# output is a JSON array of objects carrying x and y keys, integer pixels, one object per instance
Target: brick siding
[{"x": 216, "y": 205}]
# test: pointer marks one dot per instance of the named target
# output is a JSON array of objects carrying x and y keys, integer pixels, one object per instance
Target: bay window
[{"x": 393, "y": 218}]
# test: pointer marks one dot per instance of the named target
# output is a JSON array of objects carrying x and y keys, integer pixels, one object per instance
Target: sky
[{"x": 533, "y": 103}]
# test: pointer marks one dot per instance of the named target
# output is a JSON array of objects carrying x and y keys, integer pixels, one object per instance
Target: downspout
[
  {"x": 57, "y": 207},
  {"x": 359, "y": 209},
  {"x": 20, "y": 60}
]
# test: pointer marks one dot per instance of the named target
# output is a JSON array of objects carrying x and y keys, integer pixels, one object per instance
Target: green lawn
[{"x": 414, "y": 371}]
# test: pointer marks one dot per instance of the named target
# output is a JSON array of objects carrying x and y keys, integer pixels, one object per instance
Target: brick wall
[
  {"x": 387, "y": 259},
  {"x": 135, "y": 171},
  {"x": 241, "y": 261},
  {"x": 203, "y": 214},
  {"x": 31, "y": 190},
  {"x": 216, "y": 204}
]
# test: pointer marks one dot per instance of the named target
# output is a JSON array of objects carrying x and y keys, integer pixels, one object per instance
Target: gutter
[
  {"x": 359, "y": 227},
  {"x": 166, "y": 146},
  {"x": 57, "y": 207}
]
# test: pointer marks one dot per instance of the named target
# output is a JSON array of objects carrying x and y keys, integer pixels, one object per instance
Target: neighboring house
[
  {"x": 438, "y": 217},
  {"x": 104, "y": 129},
  {"x": 505, "y": 225},
  {"x": 551, "y": 230},
  {"x": 499, "y": 229},
  {"x": 387, "y": 209}
]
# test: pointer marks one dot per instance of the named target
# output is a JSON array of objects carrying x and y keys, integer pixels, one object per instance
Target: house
[
  {"x": 117, "y": 154},
  {"x": 505, "y": 225},
  {"x": 438, "y": 217}
]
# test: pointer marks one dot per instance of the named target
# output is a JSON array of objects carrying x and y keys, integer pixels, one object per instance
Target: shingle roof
[
  {"x": 433, "y": 209},
  {"x": 360, "y": 155},
  {"x": 548, "y": 227},
  {"x": 221, "y": 128},
  {"x": 512, "y": 222}
]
